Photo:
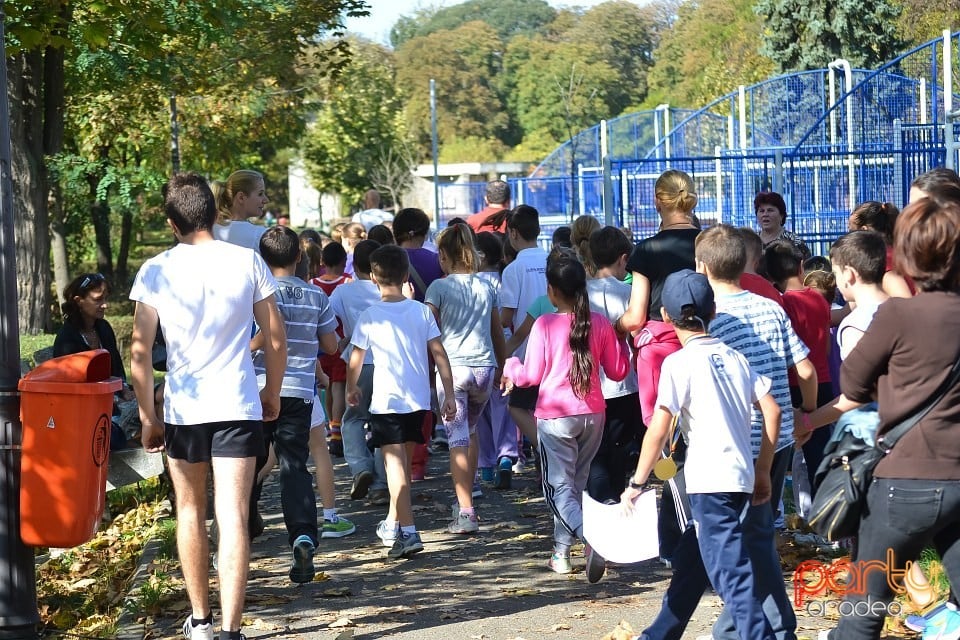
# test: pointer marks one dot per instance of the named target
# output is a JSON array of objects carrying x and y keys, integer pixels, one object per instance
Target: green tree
[
  {"x": 358, "y": 136},
  {"x": 465, "y": 63},
  {"x": 687, "y": 71},
  {"x": 921, "y": 20},
  {"x": 538, "y": 74},
  {"x": 120, "y": 61},
  {"x": 809, "y": 34},
  {"x": 625, "y": 36},
  {"x": 507, "y": 17}
]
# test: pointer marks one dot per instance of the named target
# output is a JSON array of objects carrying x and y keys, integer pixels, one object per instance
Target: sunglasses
[{"x": 92, "y": 280}]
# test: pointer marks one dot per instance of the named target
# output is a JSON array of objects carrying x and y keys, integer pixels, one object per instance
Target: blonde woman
[
  {"x": 670, "y": 250},
  {"x": 241, "y": 196}
]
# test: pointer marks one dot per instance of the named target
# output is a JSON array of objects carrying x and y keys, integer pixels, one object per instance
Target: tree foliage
[
  {"x": 688, "y": 72},
  {"x": 922, "y": 20},
  {"x": 90, "y": 84},
  {"x": 809, "y": 34},
  {"x": 359, "y": 129},
  {"x": 464, "y": 63},
  {"x": 507, "y": 17}
]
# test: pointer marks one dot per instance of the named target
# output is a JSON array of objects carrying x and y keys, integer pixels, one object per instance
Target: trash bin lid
[
  {"x": 86, "y": 366},
  {"x": 100, "y": 387}
]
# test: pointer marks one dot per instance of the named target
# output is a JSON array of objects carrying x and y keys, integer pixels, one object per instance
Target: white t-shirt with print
[
  {"x": 348, "y": 301},
  {"x": 204, "y": 294},
  {"x": 397, "y": 334},
  {"x": 611, "y": 297},
  {"x": 713, "y": 389},
  {"x": 523, "y": 281}
]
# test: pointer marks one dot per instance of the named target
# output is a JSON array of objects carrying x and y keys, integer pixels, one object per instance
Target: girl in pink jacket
[{"x": 563, "y": 354}]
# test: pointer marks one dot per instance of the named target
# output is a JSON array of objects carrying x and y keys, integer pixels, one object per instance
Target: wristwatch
[{"x": 635, "y": 485}]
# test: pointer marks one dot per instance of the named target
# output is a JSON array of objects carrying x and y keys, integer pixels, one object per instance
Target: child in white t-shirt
[
  {"x": 859, "y": 262},
  {"x": 348, "y": 302},
  {"x": 399, "y": 333},
  {"x": 711, "y": 389}
]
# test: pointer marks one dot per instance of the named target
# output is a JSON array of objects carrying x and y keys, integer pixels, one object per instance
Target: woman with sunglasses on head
[{"x": 84, "y": 327}]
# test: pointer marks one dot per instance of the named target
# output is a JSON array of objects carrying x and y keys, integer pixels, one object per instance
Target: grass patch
[{"x": 81, "y": 592}]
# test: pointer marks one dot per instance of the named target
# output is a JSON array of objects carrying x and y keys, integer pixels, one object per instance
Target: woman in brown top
[{"x": 914, "y": 500}]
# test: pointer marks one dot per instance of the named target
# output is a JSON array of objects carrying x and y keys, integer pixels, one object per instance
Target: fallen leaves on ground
[
  {"x": 340, "y": 623},
  {"x": 623, "y": 631}
]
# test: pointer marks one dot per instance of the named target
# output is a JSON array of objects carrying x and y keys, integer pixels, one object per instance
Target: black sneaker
[
  {"x": 504, "y": 471},
  {"x": 302, "y": 570},
  {"x": 255, "y": 525},
  {"x": 596, "y": 565},
  {"x": 361, "y": 485}
]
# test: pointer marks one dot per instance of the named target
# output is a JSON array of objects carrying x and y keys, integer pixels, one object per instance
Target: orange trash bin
[{"x": 65, "y": 407}]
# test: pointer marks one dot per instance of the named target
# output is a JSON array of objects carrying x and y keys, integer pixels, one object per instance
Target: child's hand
[
  {"x": 353, "y": 395},
  {"x": 627, "y": 497},
  {"x": 271, "y": 405},
  {"x": 323, "y": 380},
  {"x": 506, "y": 385},
  {"x": 449, "y": 409},
  {"x": 761, "y": 489}
]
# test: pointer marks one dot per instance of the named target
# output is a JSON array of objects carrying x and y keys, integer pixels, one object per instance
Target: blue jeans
[
  {"x": 715, "y": 550},
  {"x": 355, "y": 450},
  {"x": 902, "y": 516},
  {"x": 690, "y": 577},
  {"x": 766, "y": 561},
  {"x": 290, "y": 436}
]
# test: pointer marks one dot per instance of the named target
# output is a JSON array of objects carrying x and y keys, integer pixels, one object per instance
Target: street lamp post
[{"x": 18, "y": 588}]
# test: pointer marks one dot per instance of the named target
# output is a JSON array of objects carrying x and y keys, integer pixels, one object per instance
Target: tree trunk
[
  {"x": 58, "y": 245},
  {"x": 26, "y": 80},
  {"x": 100, "y": 215},
  {"x": 123, "y": 253}
]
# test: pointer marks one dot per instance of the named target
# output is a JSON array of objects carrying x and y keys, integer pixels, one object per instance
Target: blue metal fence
[{"x": 826, "y": 139}]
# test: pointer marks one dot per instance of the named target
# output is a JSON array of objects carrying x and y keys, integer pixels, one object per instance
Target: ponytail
[
  {"x": 457, "y": 242},
  {"x": 568, "y": 278},
  {"x": 224, "y": 191},
  {"x": 581, "y": 369},
  {"x": 583, "y": 227}
]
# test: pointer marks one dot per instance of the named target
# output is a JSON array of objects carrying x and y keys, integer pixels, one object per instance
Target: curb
[{"x": 127, "y": 626}]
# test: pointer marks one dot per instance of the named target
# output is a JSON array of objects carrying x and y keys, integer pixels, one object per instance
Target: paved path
[{"x": 493, "y": 586}]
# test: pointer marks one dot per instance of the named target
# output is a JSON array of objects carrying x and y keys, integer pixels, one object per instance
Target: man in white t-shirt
[
  {"x": 372, "y": 214},
  {"x": 712, "y": 390},
  {"x": 523, "y": 281},
  {"x": 205, "y": 295}
]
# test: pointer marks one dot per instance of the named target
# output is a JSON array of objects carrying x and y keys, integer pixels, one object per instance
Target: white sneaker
[
  {"x": 200, "y": 632},
  {"x": 387, "y": 537}
]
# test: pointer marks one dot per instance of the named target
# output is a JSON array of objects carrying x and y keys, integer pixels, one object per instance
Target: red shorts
[{"x": 334, "y": 367}]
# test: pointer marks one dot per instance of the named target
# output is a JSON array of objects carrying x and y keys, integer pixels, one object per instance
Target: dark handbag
[{"x": 845, "y": 474}]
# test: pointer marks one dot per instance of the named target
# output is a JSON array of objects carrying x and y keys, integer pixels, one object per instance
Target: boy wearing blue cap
[{"x": 711, "y": 389}]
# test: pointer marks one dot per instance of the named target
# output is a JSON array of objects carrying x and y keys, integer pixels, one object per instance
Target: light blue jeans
[{"x": 352, "y": 430}]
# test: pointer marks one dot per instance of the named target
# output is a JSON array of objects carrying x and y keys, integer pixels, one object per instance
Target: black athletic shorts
[
  {"x": 524, "y": 398},
  {"x": 201, "y": 442},
  {"x": 396, "y": 428}
]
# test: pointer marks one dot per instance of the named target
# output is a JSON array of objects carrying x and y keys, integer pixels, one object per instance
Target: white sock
[{"x": 330, "y": 515}]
